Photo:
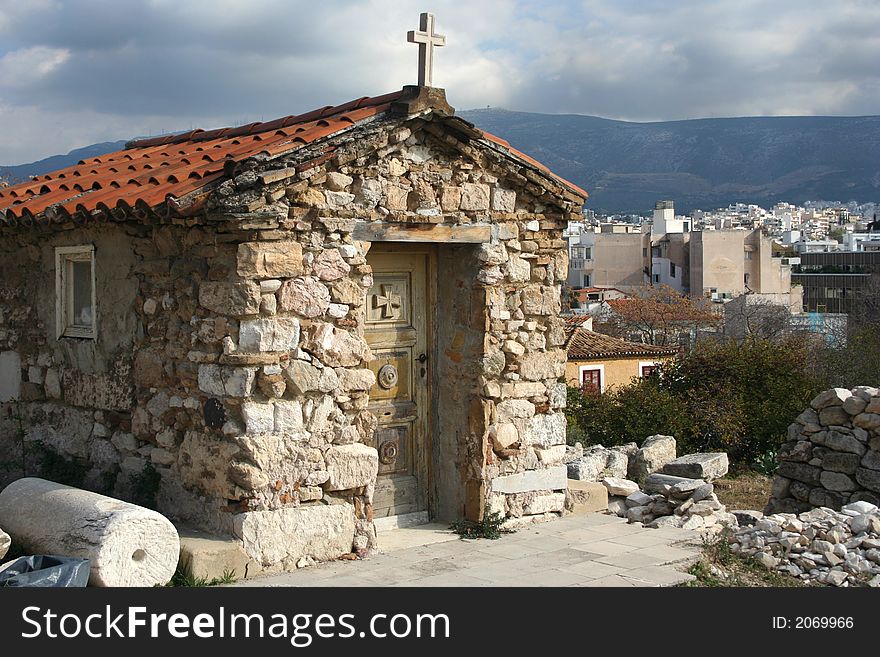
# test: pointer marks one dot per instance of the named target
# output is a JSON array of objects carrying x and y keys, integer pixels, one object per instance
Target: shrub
[
  {"x": 726, "y": 396},
  {"x": 621, "y": 415}
]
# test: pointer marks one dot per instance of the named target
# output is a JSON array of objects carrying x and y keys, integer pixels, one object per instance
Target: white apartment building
[
  {"x": 861, "y": 241},
  {"x": 668, "y": 244}
]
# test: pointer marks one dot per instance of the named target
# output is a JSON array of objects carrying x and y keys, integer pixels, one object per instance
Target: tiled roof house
[{"x": 604, "y": 361}]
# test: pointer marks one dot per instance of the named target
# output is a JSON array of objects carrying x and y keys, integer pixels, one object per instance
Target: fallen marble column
[
  {"x": 5, "y": 542},
  {"x": 127, "y": 545}
]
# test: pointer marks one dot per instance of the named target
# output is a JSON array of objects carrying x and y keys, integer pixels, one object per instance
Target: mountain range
[
  {"x": 20, "y": 172},
  {"x": 698, "y": 163}
]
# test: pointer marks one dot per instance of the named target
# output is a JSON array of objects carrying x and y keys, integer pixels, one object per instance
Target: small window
[
  {"x": 75, "y": 292},
  {"x": 592, "y": 380},
  {"x": 644, "y": 252},
  {"x": 648, "y": 370},
  {"x": 746, "y": 278},
  {"x": 748, "y": 255},
  {"x": 588, "y": 253},
  {"x": 656, "y": 278},
  {"x": 672, "y": 269}
]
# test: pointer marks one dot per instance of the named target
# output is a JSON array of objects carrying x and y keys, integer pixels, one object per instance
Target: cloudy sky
[{"x": 82, "y": 71}]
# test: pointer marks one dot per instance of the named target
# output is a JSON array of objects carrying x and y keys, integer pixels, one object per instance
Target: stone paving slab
[{"x": 580, "y": 550}]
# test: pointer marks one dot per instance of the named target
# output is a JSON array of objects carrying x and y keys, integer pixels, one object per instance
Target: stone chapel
[{"x": 302, "y": 329}]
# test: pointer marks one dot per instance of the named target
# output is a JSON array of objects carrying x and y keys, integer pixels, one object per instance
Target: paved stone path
[{"x": 584, "y": 550}]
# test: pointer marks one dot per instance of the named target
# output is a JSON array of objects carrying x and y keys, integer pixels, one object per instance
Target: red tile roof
[
  {"x": 150, "y": 172},
  {"x": 589, "y": 345},
  {"x": 574, "y": 321},
  {"x": 519, "y": 154}
]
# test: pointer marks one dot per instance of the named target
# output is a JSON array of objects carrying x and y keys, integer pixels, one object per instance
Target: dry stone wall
[
  {"x": 237, "y": 366},
  {"x": 832, "y": 457}
]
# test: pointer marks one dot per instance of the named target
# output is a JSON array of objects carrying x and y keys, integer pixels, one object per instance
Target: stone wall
[
  {"x": 231, "y": 355},
  {"x": 832, "y": 457}
]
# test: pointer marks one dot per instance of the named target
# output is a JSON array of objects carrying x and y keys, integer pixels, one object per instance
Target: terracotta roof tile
[
  {"x": 574, "y": 321},
  {"x": 586, "y": 345},
  {"x": 506, "y": 145},
  {"x": 150, "y": 172}
]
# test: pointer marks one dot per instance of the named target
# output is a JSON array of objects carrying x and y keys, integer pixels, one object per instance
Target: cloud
[
  {"x": 149, "y": 65},
  {"x": 20, "y": 68}
]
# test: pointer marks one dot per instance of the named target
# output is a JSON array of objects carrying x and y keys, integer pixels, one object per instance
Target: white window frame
[
  {"x": 585, "y": 368},
  {"x": 64, "y": 257},
  {"x": 647, "y": 363}
]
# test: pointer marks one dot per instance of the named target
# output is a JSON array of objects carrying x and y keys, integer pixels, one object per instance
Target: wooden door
[{"x": 397, "y": 331}]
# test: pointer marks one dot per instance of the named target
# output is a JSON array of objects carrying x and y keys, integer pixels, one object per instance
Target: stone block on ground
[
  {"x": 618, "y": 486},
  {"x": 639, "y": 514},
  {"x": 618, "y": 506},
  {"x": 637, "y": 498},
  {"x": 663, "y": 483},
  {"x": 283, "y": 536},
  {"x": 704, "y": 465},
  {"x": 585, "y": 497},
  {"x": 858, "y": 508},
  {"x": 666, "y": 521},
  {"x": 654, "y": 453},
  {"x": 617, "y": 465},
  {"x": 126, "y": 545},
  {"x": 212, "y": 557}
]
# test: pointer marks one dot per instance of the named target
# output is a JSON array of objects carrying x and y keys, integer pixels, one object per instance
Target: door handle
[{"x": 423, "y": 358}]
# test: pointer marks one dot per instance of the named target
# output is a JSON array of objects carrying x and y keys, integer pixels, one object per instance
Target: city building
[
  {"x": 832, "y": 282},
  {"x": 719, "y": 263},
  {"x": 610, "y": 255}
]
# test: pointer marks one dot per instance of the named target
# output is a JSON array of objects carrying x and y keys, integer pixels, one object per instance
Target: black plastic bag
[{"x": 49, "y": 571}]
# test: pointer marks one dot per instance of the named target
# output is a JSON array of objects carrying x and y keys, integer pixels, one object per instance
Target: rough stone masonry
[
  {"x": 230, "y": 354},
  {"x": 832, "y": 457}
]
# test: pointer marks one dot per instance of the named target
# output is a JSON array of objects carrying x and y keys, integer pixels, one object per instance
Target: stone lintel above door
[{"x": 382, "y": 231}]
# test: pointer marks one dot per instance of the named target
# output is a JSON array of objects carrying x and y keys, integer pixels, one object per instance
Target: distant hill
[
  {"x": 23, "y": 172},
  {"x": 700, "y": 163}
]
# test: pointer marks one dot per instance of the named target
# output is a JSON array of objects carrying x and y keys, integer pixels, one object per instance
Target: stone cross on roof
[{"x": 427, "y": 39}]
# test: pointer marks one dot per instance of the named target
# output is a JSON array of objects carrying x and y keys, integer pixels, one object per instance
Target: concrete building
[
  {"x": 725, "y": 264},
  {"x": 613, "y": 255},
  {"x": 669, "y": 238},
  {"x": 720, "y": 264},
  {"x": 858, "y": 242}
]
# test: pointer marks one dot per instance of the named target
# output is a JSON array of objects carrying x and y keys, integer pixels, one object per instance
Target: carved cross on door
[
  {"x": 387, "y": 301},
  {"x": 427, "y": 39}
]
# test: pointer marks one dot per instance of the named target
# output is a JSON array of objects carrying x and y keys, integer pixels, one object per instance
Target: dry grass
[{"x": 745, "y": 490}]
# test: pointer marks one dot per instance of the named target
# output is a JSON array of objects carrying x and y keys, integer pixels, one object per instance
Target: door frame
[{"x": 424, "y": 448}]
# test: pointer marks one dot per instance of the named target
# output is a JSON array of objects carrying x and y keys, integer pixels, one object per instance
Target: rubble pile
[
  {"x": 669, "y": 501},
  {"x": 837, "y": 548}
]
